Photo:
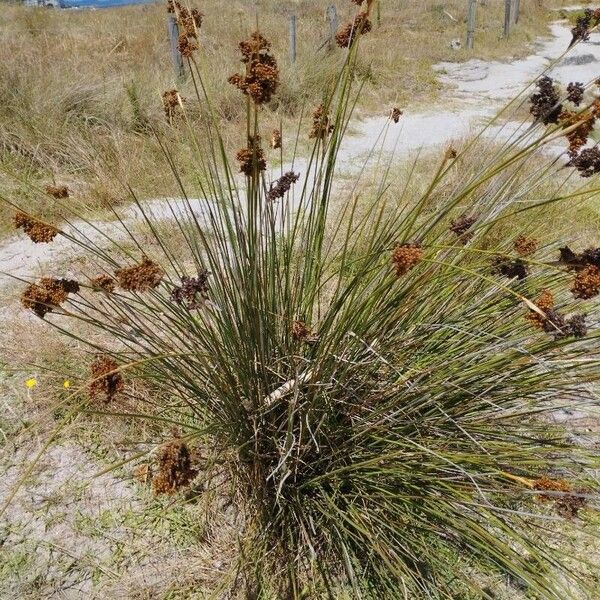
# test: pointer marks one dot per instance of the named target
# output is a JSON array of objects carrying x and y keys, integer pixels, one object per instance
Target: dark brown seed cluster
[
  {"x": 461, "y": 228},
  {"x": 38, "y": 232},
  {"x": 581, "y": 31},
  {"x": 321, "y": 127},
  {"x": 193, "y": 291},
  {"x": 302, "y": 333},
  {"x": 175, "y": 468},
  {"x": 511, "y": 268},
  {"x": 568, "y": 503},
  {"x": 545, "y": 103},
  {"x": 57, "y": 191},
  {"x": 141, "y": 277},
  {"x": 450, "y": 153},
  {"x": 525, "y": 246},
  {"x": 553, "y": 322},
  {"x": 48, "y": 294},
  {"x": 582, "y": 125},
  {"x": 107, "y": 381},
  {"x": 406, "y": 256},
  {"x": 186, "y": 45},
  {"x": 281, "y": 186},
  {"x": 252, "y": 159},
  {"x": 172, "y": 103},
  {"x": 104, "y": 283},
  {"x": 276, "y": 139},
  {"x": 575, "y": 262},
  {"x": 358, "y": 26},
  {"x": 189, "y": 21},
  {"x": 587, "y": 162},
  {"x": 395, "y": 114},
  {"x": 575, "y": 92},
  {"x": 587, "y": 283},
  {"x": 261, "y": 79}
]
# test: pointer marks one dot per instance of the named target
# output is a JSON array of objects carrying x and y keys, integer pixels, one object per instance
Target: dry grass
[{"x": 80, "y": 90}]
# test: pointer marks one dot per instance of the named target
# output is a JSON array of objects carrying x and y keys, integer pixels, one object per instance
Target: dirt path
[{"x": 64, "y": 533}]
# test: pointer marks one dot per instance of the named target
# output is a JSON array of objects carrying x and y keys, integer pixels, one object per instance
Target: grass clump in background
[{"x": 374, "y": 385}]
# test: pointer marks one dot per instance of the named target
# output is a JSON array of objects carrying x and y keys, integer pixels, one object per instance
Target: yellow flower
[
  {"x": 30, "y": 383},
  {"x": 66, "y": 384}
]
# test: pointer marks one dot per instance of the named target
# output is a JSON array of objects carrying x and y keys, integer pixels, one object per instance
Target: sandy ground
[{"x": 68, "y": 536}]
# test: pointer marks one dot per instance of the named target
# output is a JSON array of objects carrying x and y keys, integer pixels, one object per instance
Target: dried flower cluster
[
  {"x": 276, "y": 139},
  {"x": 545, "y": 103},
  {"x": 587, "y": 283},
  {"x": 575, "y": 92},
  {"x": 189, "y": 22},
  {"x": 406, "y": 256},
  {"x": 107, "y": 380},
  {"x": 358, "y": 26},
  {"x": 262, "y": 73},
  {"x": 38, "y": 232},
  {"x": 302, "y": 333},
  {"x": 172, "y": 103},
  {"x": 186, "y": 45},
  {"x": 395, "y": 114},
  {"x": 511, "y": 268},
  {"x": 461, "y": 227},
  {"x": 252, "y": 159},
  {"x": 551, "y": 321},
  {"x": 174, "y": 468},
  {"x": 587, "y": 162},
  {"x": 321, "y": 127},
  {"x": 141, "y": 277},
  {"x": 281, "y": 186},
  {"x": 582, "y": 124},
  {"x": 48, "y": 294},
  {"x": 583, "y": 25},
  {"x": 450, "y": 153},
  {"x": 104, "y": 283},
  {"x": 193, "y": 291},
  {"x": 525, "y": 246},
  {"x": 568, "y": 503},
  {"x": 57, "y": 191},
  {"x": 575, "y": 262}
]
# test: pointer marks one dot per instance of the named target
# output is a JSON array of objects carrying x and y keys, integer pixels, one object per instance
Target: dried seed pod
[
  {"x": 358, "y": 26},
  {"x": 321, "y": 127},
  {"x": 587, "y": 283},
  {"x": 252, "y": 159},
  {"x": 525, "y": 246},
  {"x": 276, "y": 139},
  {"x": 48, "y": 294},
  {"x": 107, "y": 381},
  {"x": 507, "y": 267},
  {"x": 38, "y": 231},
  {"x": 395, "y": 114},
  {"x": 104, "y": 283},
  {"x": 141, "y": 277},
  {"x": 461, "y": 227},
  {"x": 406, "y": 256},
  {"x": 193, "y": 291},
  {"x": 545, "y": 103},
  {"x": 174, "y": 468},
  {"x": 281, "y": 186}
]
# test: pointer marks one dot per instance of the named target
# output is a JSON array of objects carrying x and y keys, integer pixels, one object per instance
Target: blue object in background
[{"x": 100, "y": 3}]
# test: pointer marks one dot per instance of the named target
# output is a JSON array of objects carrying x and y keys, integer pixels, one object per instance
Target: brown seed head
[
  {"x": 461, "y": 227},
  {"x": 281, "y": 186},
  {"x": 395, "y": 114},
  {"x": 276, "y": 139},
  {"x": 450, "y": 153},
  {"x": 321, "y": 126},
  {"x": 406, "y": 256},
  {"x": 186, "y": 45},
  {"x": 48, "y": 294},
  {"x": 193, "y": 291},
  {"x": 174, "y": 468},
  {"x": 358, "y": 26},
  {"x": 525, "y": 246},
  {"x": 140, "y": 278},
  {"x": 172, "y": 103},
  {"x": 38, "y": 232},
  {"x": 104, "y": 283},
  {"x": 577, "y": 137},
  {"x": 587, "y": 283},
  {"x": 545, "y": 303},
  {"x": 568, "y": 504},
  {"x": 107, "y": 381},
  {"x": 587, "y": 162},
  {"x": 252, "y": 159},
  {"x": 57, "y": 191}
]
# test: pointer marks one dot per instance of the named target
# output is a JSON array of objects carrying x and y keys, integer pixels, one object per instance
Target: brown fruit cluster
[
  {"x": 406, "y": 256},
  {"x": 587, "y": 283},
  {"x": 193, "y": 291},
  {"x": 48, "y": 294},
  {"x": 525, "y": 246},
  {"x": 568, "y": 503},
  {"x": 57, "y": 191},
  {"x": 276, "y": 139},
  {"x": 140, "y": 278},
  {"x": 584, "y": 125},
  {"x": 545, "y": 103},
  {"x": 281, "y": 186},
  {"x": 189, "y": 22},
  {"x": 261, "y": 79},
  {"x": 174, "y": 468},
  {"x": 395, "y": 114},
  {"x": 510, "y": 268},
  {"x": 252, "y": 159},
  {"x": 38, "y": 232},
  {"x": 358, "y": 26},
  {"x": 554, "y": 322},
  {"x": 321, "y": 127},
  {"x": 104, "y": 283},
  {"x": 172, "y": 103},
  {"x": 461, "y": 228},
  {"x": 107, "y": 381}
]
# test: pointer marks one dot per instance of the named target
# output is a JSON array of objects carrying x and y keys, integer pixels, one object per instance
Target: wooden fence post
[
  {"x": 516, "y": 11},
  {"x": 507, "y": 7},
  {"x": 174, "y": 43},
  {"x": 292, "y": 38},
  {"x": 378, "y": 8},
  {"x": 471, "y": 23},
  {"x": 332, "y": 19}
]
